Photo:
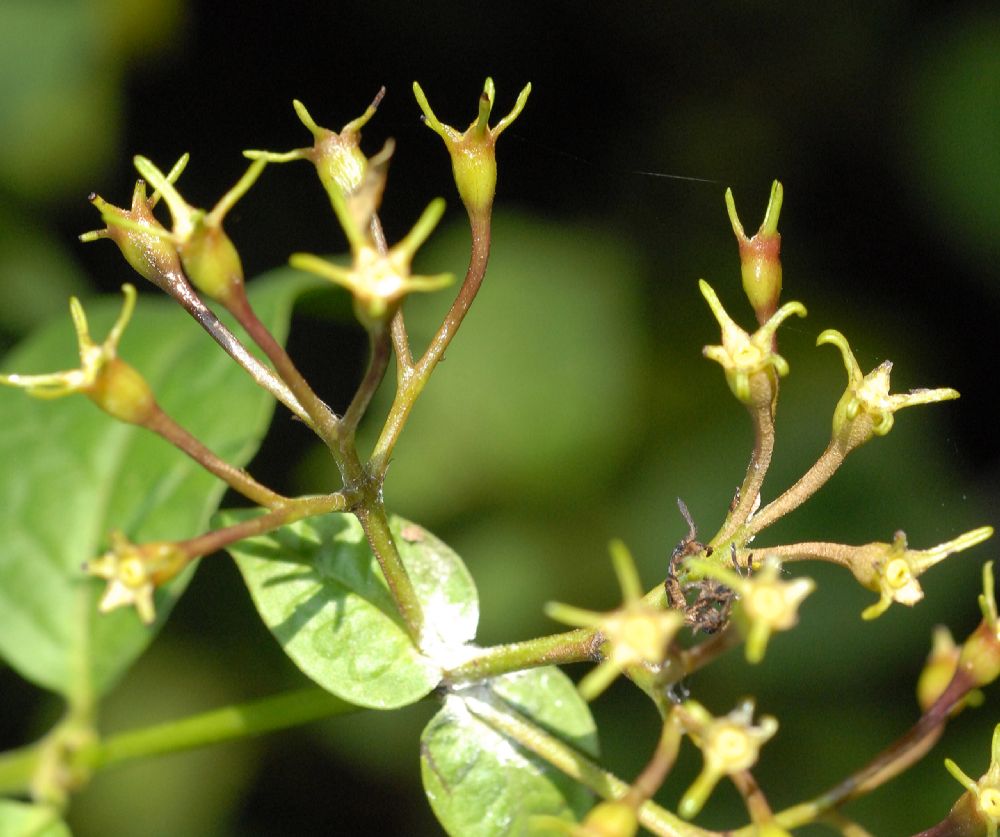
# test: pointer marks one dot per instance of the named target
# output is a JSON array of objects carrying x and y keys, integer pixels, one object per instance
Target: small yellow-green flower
[
  {"x": 891, "y": 570},
  {"x": 208, "y": 255},
  {"x": 749, "y": 361},
  {"x": 473, "y": 151},
  {"x": 115, "y": 386},
  {"x": 378, "y": 280},
  {"x": 766, "y": 604},
  {"x": 866, "y": 407},
  {"x": 729, "y": 745},
  {"x": 134, "y": 571},
  {"x": 636, "y": 633},
  {"x": 985, "y": 792}
]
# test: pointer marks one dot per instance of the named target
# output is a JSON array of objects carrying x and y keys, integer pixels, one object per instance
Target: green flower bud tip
[
  {"x": 767, "y": 603},
  {"x": 144, "y": 242},
  {"x": 760, "y": 262},
  {"x": 337, "y": 156},
  {"x": 209, "y": 257},
  {"x": 980, "y": 657},
  {"x": 473, "y": 152},
  {"x": 109, "y": 382},
  {"x": 985, "y": 792},
  {"x": 866, "y": 407},
  {"x": 637, "y": 633},
  {"x": 379, "y": 281},
  {"x": 749, "y": 361},
  {"x": 891, "y": 570},
  {"x": 134, "y": 571},
  {"x": 938, "y": 671},
  {"x": 729, "y": 745}
]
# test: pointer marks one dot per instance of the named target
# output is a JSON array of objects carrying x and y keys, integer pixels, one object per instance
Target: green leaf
[
  {"x": 21, "y": 819},
  {"x": 479, "y": 782},
  {"x": 71, "y": 474},
  {"x": 320, "y": 591}
]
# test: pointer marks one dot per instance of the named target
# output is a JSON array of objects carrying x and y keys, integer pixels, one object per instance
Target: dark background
[{"x": 881, "y": 120}]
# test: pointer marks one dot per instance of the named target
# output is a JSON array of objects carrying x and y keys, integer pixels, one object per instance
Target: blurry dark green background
[{"x": 576, "y": 406}]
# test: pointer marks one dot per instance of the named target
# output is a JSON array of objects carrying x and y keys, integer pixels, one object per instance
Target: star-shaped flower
[
  {"x": 767, "y": 603},
  {"x": 134, "y": 571},
  {"x": 636, "y": 633},
  {"x": 866, "y": 407},
  {"x": 378, "y": 280},
  {"x": 729, "y": 745},
  {"x": 750, "y": 362},
  {"x": 891, "y": 570}
]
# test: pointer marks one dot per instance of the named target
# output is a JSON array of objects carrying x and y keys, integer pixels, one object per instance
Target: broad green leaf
[
  {"x": 70, "y": 474},
  {"x": 22, "y": 819},
  {"x": 319, "y": 589},
  {"x": 479, "y": 782}
]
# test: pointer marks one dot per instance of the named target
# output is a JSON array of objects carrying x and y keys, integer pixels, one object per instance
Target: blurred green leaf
[
  {"x": 71, "y": 475},
  {"x": 37, "y": 274},
  {"x": 320, "y": 591},
  {"x": 949, "y": 142},
  {"x": 21, "y": 819},
  {"x": 479, "y": 782}
]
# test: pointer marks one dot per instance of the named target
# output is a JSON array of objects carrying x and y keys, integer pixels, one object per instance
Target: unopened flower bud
[
  {"x": 108, "y": 381},
  {"x": 473, "y": 152},
  {"x": 980, "y": 657},
  {"x": 609, "y": 819},
  {"x": 147, "y": 246},
  {"x": 939, "y": 668},
  {"x": 209, "y": 256},
  {"x": 985, "y": 794},
  {"x": 760, "y": 256},
  {"x": 338, "y": 158}
]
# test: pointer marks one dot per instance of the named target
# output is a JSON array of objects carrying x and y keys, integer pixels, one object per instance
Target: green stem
[
  {"x": 372, "y": 517},
  {"x": 294, "y": 510},
  {"x": 760, "y": 461},
  {"x": 413, "y": 378},
  {"x": 377, "y": 364},
  {"x": 18, "y": 768},
  {"x": 604, "y": 783},
  {"x": 576, "y": 646},
  {"x": 237, "y": 478},
  {"x": 227, "y": 724},
  {"x": 809, "y": 483},
  {"x": 322, "y": 418},
  {"x": 177, "y": 286}
]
